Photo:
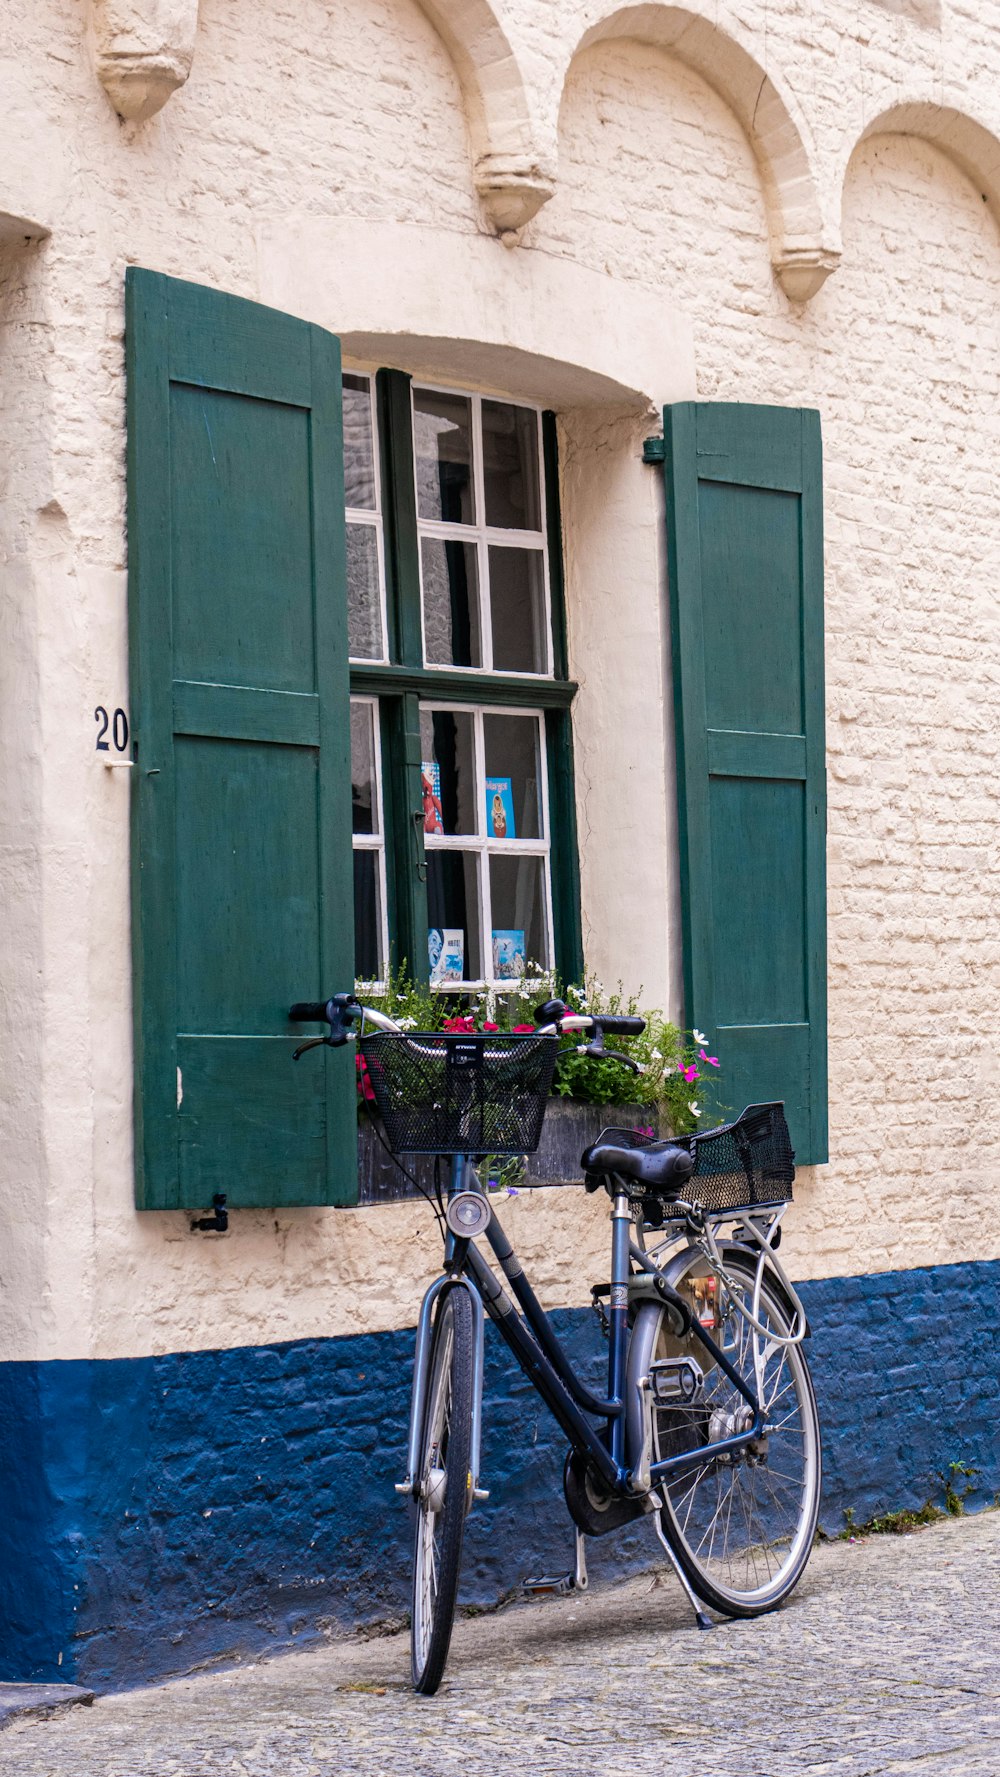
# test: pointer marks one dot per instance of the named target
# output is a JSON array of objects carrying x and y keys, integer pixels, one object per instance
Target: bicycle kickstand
[
  {"x": 568, "y": 1582},
  {"x": 702, "y": 1617}
]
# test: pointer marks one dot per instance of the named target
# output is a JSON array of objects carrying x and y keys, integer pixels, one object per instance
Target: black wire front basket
[
  {"x": 746, "y": 1164},
  {"x": 444, "y": 1093}
]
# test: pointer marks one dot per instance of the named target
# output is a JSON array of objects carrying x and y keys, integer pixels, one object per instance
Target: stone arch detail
[
  {"x": 970, "y": 145},
  {"x": 805, "y": 241},
  {"x": 514, "y": 165}
]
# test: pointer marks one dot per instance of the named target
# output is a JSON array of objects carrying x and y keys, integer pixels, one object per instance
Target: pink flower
[
  {"x": 487, "y": 1026},
  {"x": 460, "y": 1026},
  {"x": 520, "y": 1030},
  {"x": 713, "y": 1060},
  {"x": 690, "y": 1073},
  {"x": 365, "y": 1087}
]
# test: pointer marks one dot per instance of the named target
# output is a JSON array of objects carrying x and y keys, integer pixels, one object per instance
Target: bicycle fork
[{"x": 421, "y": 1376}]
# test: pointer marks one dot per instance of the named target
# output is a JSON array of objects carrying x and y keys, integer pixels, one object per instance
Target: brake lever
[
  {"x": 313, "y": 1043},
  {"x": 597, "y": 1052}
]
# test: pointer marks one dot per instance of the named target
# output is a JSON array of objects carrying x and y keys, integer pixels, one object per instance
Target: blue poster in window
[
  {"x": 508, "y": 956},
  {"x": 500, "y": 808}
]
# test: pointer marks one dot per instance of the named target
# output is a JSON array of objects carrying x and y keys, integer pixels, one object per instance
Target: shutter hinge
[{"x": 654, "y": 450}]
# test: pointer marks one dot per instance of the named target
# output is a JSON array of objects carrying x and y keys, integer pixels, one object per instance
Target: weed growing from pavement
[{"x": 902, "y": 1522}]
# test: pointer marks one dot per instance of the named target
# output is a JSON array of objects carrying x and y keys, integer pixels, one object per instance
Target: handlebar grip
[
  {"x": 621, "y": 1027},
  {"x": 307, "y": 1011}
]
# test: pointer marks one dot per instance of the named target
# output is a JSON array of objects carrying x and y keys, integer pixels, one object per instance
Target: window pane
[
  {"x": 364, "y": 800},
  {"x": 367, "y": 917},
  {"x": 451, "y": 603},
  {"x": 442, "y": 439},
  {"x": 510, "y": 467},
  {"x": 513, "y": 792},
  {"x": 517, "y": 610},
  {"x": 454, "y": 937},
  {"x": 359, "y": 445},
  {"x": 364, "y": 594},
  {"x": 517, "y": 892},
  {"x": 447, "y": 756}
]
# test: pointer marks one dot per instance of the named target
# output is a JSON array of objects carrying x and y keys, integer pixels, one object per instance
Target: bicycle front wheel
[
  {"x": 742, "y": 1524},
  {"x": 445, "y": 1490}
]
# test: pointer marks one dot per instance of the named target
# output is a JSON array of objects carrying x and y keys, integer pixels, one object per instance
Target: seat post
[{"x": 621, "y": 1228}]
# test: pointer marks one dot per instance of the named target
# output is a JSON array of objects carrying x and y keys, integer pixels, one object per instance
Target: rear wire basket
[
  {"x": 742, "y": 1165},
  {"x": 439, "y": 1093}
]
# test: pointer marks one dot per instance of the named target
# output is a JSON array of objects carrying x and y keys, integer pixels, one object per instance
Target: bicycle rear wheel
[
  {"x": 742, "y": 1525},
  {"x": 445, "y": 1491}
]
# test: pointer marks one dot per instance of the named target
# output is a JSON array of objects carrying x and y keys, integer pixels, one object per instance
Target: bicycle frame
[{"x": 625, "y": 1471}]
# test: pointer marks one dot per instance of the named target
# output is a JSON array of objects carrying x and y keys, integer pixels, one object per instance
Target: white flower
[
  {"x": 641, "y": 1065},
  {"x": 654, "y": 1055},
  {"x": 406, "y": 1023},
  {"x": 695, "y": 1109},
  {"x": 699, "y": 1036}
]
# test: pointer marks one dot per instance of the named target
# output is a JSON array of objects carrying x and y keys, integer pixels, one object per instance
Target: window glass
[
  {"x": 517, "y": 901},
  {"x": 448, "y": 771},
  {"x": 510, "y": 467},
  {"x": 442, "y": 437},
  {"x": 364, "y": 593},
  {"x": 364, "y": 799},
  {"x": 512, "y": 800},
  {"x": 517, "y": 610},
  {"x": 366, "y": 627},
  {"x": 449, "y": 572},
  {"x": 370, "y": 934},
  {"x": 359, "y": 445},
  {"x": 367, "y": 917},
  {"x": 454, "y": 939}
]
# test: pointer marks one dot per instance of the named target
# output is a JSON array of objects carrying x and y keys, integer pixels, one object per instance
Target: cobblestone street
[{"x": 885, "y": 1660}]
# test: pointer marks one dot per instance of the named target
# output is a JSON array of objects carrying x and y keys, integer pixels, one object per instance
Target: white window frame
[
  {"x": 483, "y": 535},
  {"x": 372, "y": 517},
  {"x": 483, "y": 845},
  {"x": 375, "y": 841}
]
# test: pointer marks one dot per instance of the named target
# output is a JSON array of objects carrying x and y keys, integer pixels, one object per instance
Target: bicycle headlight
[{"x": 468, "y": 1214}]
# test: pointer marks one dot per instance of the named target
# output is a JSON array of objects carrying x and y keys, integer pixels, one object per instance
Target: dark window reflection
[
  {"x": 367, "y": 963},
  {"x": 510, "y": 467},
  {"x": 517, "y": 610},
  {"x": 453, "y": 914},
  {"x": 451, "y": 602}
]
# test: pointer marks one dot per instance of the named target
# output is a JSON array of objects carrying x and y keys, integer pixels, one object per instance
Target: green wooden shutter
[
  {"x": 745, "y": 564},
  {"x": 241, "y": 835}
]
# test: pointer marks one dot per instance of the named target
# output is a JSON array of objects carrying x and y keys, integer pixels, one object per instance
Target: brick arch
[
  {"x": 970, "y": 145},
  {"x": 514, "y": 165},
  {"x": 805, "y": 241}
]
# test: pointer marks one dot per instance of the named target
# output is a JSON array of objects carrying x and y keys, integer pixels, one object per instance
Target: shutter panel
[
  {"x": 745, "y": 565},
  {"x": 241, "y": 834}
]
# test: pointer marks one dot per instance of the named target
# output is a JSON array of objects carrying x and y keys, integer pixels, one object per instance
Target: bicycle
[{"x": 709, "y": 1424}]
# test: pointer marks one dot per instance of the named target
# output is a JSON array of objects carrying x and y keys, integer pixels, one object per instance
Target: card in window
[
  {"x": 500, "y": 809},
  {"x": 508, "y": 956},
  {"x": 446, "y": 953},
  {"x": 430, "y": 789}
]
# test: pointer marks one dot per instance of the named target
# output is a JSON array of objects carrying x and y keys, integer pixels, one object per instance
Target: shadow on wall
[{"x": 162, "y": 1512}]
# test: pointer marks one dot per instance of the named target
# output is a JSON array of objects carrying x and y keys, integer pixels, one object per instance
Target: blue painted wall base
[{"x": 161, "y": 1512}]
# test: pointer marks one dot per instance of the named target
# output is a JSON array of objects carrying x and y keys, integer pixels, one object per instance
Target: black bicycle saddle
[{"x": 660, "y": 1167}]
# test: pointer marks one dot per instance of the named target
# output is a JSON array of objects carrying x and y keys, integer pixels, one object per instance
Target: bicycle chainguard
[{"x": 561, "y": 1584}]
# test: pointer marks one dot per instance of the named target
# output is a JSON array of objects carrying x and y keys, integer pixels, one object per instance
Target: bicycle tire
[
  {"x": 772, "y": 1527},
  {"x": 445, "y": 1495}
]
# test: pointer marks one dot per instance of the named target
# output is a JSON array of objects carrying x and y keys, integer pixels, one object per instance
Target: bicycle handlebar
[{"x": 342, "y": 1010}]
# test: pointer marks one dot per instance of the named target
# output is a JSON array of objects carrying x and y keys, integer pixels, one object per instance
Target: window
[
  {"x": 370, "y": 936},
  {"x": 365, "y": 543},
  {"x": 465, "y": 864}
]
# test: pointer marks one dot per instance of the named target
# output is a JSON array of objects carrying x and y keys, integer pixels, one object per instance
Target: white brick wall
[{"x": 311, "y": 112}]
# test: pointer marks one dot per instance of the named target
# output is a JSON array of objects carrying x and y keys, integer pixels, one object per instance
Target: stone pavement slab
[
  {"x": 39, "y": 1699},
  {"x": 886, "y": 1660}
]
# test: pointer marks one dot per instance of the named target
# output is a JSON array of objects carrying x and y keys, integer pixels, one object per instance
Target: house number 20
[{"x": 118, "y": 726}]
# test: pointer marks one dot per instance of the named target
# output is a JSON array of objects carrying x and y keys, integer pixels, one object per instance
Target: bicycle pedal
[{"x": 564, "y": 1583}]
